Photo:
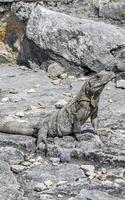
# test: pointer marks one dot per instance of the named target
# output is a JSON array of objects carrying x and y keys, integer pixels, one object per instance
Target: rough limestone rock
[
  {"x": 47, "y": 172},
  {"x": 55, "y": 70},
  {"x": 84, "y": 8},
  {"x": 11, "y": 155},
  {"x": 76, "y": 42},
  {"x": 5, "y": 7},
  {"x": 9, "y": 187},
  {"x": 87, "y": 194},
  {"x": 25, "y": 143},
  {"x": 112, "y": 108},
  {"x": 113, "y": 10}
]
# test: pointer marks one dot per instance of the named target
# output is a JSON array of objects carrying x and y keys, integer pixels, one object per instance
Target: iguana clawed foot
[
  {"x": 42, "y": 140},
  {"x": 42, "y": 146}
]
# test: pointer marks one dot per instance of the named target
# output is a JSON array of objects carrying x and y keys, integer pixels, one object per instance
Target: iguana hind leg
[{"x": 42, "y": 138}]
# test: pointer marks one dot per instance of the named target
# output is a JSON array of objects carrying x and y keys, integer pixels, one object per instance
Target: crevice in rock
[
  {"x": 32, "y": 56},
  {"x": 115, "y": 50}
]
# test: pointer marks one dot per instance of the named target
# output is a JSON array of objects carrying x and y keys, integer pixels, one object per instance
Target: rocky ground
[
  {"x": 83, "y": 37},
  {"x": 91, "y": 168}
]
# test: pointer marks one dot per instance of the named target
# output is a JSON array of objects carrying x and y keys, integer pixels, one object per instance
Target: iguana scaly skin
[
  {"x": 69, "y": 119},
  {"x": 18, "y": 127}
]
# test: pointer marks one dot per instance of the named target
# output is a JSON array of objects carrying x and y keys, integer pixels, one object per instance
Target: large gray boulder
[{"x": 77, "y": 42}]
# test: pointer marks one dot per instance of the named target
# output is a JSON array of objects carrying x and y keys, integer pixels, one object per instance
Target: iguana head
[{"x": 97, "y": 82}]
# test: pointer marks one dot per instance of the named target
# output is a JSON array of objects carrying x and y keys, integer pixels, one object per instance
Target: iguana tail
[{"x": 17, "y": 127}]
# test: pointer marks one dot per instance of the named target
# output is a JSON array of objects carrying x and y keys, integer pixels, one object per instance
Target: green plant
[{"x": 123, "y": 14}]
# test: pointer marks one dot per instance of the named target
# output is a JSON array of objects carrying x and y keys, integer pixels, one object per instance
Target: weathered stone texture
[{"x": 77, "y": 42}]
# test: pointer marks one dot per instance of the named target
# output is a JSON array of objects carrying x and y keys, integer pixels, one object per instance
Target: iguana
[{"x": 69, "y": 119}]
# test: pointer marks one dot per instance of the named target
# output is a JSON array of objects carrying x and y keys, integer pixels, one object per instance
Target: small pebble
[
  {"x": 55, "y": 70},
  {"x": 110, "y": 100},
  {"x": 61, "y": 103},
  {"x": 35, "y": 108},
  {"x": 48, "y": 183},
  {"x": 56, "y": 82},
  {"x": 28, "y": 157},
  {"x": 55, "y": 161},
  {"x": 32, "y": 160},
  {"x": 16, "y": 99},
  {"x": 108, "y": 183},
  {"x": 63, "y": 76},
  {"x": 37, "y": 86},
  {"x": 23, "y": 68},
  {"x": 39, "y": 159},
  {"x": 60, "y": 196},
  {"x": 102, "y": 177},
  {"x": 17, "y": 168},
  {"x": 40, "y": 187},
  {"x": 5, "y": 99},
  {"x": 103, "y": 170},
  {"x": 120, "y": 84},
  {"x": 116, "y": 185},
  {"x": 71, "y": 77},
  {"x": 65, "y": 155},
  {"x": 88, "y": 168},
  {"x": 89, "y": 171},
  {"x": 62, "y": 183},
  {"x": 67, "y": 94},
  {"x": 36, "y": 70},
  {"x": 42, "y": 105},
  {"x": 36, "y": 163},
  {"x": 119, "y": 181},
  {"x": 20, "y": 114},
  {"x": 26, "y": 163},
  {"x": 82, "y": 78},
  {"x": 31, "y": 91},
  {"x": 92, "y": 176}
]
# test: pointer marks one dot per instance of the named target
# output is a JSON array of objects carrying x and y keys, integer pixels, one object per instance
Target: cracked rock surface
[{"x": 93, "y": 167}]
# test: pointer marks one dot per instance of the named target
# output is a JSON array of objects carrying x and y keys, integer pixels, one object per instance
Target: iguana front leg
[
  {"x": 76, "y": 127},
  {"x": 94, "y": 119}
]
